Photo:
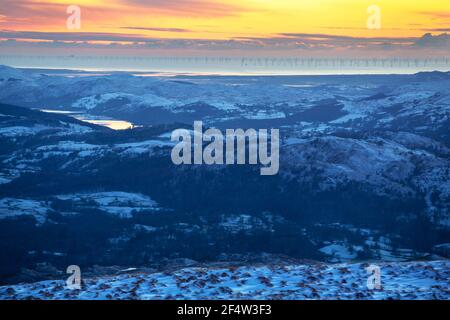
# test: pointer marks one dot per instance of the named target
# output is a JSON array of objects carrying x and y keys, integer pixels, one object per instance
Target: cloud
[
  {"x": 285, "y": 42},
  {"x": 158, "y": 29},
  {"x": 41, "y": 15},
  {"x": 437, "y": 30},
  {"x": 430, "y": 41},
  {"x": 321, "y": 36},
  {"x": 200, "y": 8},
  {"x": 29, "y": 10},
  {"x": 72, "y": 36},
  {"x": 326, "y": 41},
  {"x": 436, "y": 14}
]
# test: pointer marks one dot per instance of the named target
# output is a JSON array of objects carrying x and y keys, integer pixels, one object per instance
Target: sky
[{"x": 275, "y": 28}]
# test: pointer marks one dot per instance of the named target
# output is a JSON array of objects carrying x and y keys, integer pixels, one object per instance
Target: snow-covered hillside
[
  {"x": 399, "y": 165},
  {"x": 410, "y": 280},
  {"x": 364, "y": 172},
  {"x": 321, "y": 103}
]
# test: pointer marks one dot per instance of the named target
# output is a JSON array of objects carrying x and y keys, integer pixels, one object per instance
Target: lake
[{"x": 114, "y": 124}]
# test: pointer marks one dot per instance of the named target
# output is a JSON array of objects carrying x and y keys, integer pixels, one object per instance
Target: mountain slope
[{"x": 410, "y": 281}]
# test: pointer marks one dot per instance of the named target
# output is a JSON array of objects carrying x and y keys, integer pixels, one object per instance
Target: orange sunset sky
[{"x": 282, "y": 27}]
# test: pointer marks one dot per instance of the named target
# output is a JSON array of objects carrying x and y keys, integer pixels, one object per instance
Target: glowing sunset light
[{"x": 263, "y": 26}]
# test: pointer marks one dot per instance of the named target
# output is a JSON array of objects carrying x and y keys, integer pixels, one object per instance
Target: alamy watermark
[
  {"x": 374, "y": 279},
  {"x": 73, "y": 22},
  {"x": 74, "y": 281},
  {"x": 234, "y": 142},
  {"x": 374, "y": 19}
]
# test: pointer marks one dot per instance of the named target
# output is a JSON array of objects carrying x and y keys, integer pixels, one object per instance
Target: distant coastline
[{"x": 210, "y": 66}]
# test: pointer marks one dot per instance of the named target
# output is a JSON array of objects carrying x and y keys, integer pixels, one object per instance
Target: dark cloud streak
[
  {"x": 283, "y": 41},
  {"x": 198, "y": 8},
  {"x": 177, "y": 30}
]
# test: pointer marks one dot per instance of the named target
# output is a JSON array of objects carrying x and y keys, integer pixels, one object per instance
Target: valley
[{"x": 364, "y": 172}]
